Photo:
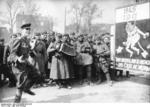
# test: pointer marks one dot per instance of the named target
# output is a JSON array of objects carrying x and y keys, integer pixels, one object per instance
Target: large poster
[{"x": 132, "y": 41}]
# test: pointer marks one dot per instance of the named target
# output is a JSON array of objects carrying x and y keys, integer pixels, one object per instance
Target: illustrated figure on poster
[
  {"x": 133, "y": 37},
  {"x": 148, "y": 46}
]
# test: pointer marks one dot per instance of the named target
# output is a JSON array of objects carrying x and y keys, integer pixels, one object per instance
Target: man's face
[
  {"x": 37, "y": 37},
  {"x": 80, "y": 39},
  {"x": 65, "y": 38},
  {"x": 42, "y": 36},
  {"x": 26, "y": 32},
  {"x": 106, "y": 40},
  {"x": 71, "y": 36},
  {"x": 52, "y": 37},
  {"x": 58, "y": 39},
  {"x": 97, "y": 42},
  {"x": 46, "y": 36}
]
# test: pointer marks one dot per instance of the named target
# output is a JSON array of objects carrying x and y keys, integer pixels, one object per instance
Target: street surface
[{"x": 135, "y": 89}]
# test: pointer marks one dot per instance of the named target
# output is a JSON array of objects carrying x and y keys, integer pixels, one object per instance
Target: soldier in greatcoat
[
  {"x": 24, "y": 70},
  {"x": 41, "y": 57},
  {"x": 84, "y": 59}
]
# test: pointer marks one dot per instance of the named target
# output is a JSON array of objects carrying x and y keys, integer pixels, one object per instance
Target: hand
[
  {"x": 146, "y": 35},
  {"x": 20, "y": 59},
  {"x": 58, "y": 55}
]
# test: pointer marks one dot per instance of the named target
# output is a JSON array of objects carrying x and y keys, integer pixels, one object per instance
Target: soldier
[
  {"x": 41, "y": 57},
  {"x": 72, "y": 38},
  {"x": 44, "y": 39},
  {"x": 84, "y": 59},
  {"x": 24, "y": 70},
  {"x": 5, "y": 67},
  {"x": 96, "y": 55},
  {"x": 78, "y": 62},
  {"x": 2, "y": 81},
  {"x": 90, "y": 40},
  {"x": 103, "y": 54}
]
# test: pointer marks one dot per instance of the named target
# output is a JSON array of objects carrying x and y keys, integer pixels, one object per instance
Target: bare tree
[
  {"x": 50, "y": 21},
  {"x": 77, "y": 11},
  {"x": 84, "y": 13},
  {"x": 91, "y": 11},
  {"x": 30, "y": 7},
  {"x": 13, "y": 8}
]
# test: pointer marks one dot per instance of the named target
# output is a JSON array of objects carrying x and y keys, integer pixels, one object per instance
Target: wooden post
[{"x": 65, "y": 22}]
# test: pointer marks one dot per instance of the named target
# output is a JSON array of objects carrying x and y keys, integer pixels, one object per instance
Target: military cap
[
  {"x": 44, "y": 33},
  {"x": 72, "y": 33},
  {"x": 37, "y": 34},
  {"x": 59, "y": 35},
  {"x": 26, "y": 26},
  {"x": 98, "y": 38},
  {"x": 53, "y": 33},
  {"x": 66, "y": 35},
  {"x": 106, "y": 35},
  {"x": 81, "y": 35}
]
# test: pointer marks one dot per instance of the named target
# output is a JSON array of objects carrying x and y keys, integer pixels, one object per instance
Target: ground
[{"x": 135, "y": 89}]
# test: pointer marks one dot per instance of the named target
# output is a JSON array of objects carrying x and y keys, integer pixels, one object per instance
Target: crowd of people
[{"x": 45, "y": 59}]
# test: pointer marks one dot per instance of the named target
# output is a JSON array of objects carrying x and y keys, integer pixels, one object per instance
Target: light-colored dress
[{"x": 60, "y": 66}]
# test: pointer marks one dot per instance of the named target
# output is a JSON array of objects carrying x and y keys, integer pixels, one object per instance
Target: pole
[{"x": 65, "y": 22}]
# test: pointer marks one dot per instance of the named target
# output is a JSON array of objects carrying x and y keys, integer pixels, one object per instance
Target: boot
[
  {"x": 109, "y": 81},
  {"x": 99, "y": 81},
  {"x": 99, "y": 76},
  {"x": 17, "y": 99},
  {"x": 12, "y": 85},
  {"x": 29, "y": 92}
]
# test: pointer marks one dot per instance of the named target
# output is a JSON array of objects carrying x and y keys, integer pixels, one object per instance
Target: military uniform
[
  {"x": 102, "y": 52},
  {"x": 24, "y": 70},
  {"x": 84, "y": 60},
  {"x": 103, "y": 56},
  {"x": 102, "y": 61},
  {"x": 41, "y": 58},
  {"x": 5, "y": 67},
  {"x": 1, "y": 61}
]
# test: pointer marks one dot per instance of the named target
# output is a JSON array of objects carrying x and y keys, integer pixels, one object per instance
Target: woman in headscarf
[{"x": 60, "y": 69}]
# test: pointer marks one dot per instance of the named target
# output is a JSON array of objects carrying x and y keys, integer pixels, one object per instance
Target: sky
[{"x": 56, "y": 9}]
